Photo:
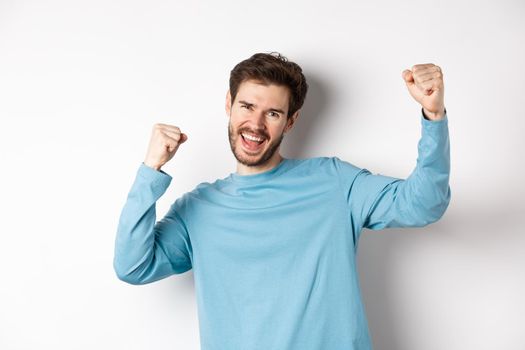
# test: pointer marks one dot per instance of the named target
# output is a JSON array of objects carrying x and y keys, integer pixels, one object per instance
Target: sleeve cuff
[
  {"x": 155, "y": 176},
  {"x": 425, "y": 120}
]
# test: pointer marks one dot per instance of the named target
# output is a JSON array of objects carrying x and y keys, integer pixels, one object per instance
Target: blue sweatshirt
[{"x": 274, "y": 254}]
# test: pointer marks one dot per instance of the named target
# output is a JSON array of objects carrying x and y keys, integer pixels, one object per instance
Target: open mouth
[{"x": 252, "y": 142}]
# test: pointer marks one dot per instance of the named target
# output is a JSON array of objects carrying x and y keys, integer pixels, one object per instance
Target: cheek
[
  {"x": 238, "y": 120},
  {"x": 234, "y": 130},
  {"x": 278, "y": 129},
  {"x": 236, "y": 117}
]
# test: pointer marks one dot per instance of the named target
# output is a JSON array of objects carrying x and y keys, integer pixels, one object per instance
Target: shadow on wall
[
  {"x": 311, "y": 117},
  {"x": 375, "y": 259},
  {"x": 377, "y": 254},
  {"x": 481, "y": 230}
]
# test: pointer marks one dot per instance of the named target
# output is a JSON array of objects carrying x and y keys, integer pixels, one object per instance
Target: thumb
[{"x": 408, "y": 77}]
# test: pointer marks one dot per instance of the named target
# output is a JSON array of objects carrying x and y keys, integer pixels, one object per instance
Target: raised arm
[
  {"x": 146, "y": 250},
  {"x": 378, "y": 201}
]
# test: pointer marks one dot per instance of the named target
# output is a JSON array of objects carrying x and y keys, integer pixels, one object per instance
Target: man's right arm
[{"x": 146, "y": 251}]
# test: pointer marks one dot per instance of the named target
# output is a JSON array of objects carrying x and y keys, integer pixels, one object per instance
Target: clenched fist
[
  {"x": 164, "y": 142},
  {"x": 425, "y": 84}
]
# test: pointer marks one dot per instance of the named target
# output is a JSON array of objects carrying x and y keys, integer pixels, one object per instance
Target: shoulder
[
  {"x": 189, "y": 203},
  {"x": 330, "y": 165},
  {"x": 201, "y": 189},
  {"x": 206, "y": 191}
]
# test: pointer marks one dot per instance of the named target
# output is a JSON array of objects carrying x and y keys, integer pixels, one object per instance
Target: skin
[
  {"x": 425, "y": 83},
  {"x": 254, "y": 111},
  {"x": 259, "y": 110}
]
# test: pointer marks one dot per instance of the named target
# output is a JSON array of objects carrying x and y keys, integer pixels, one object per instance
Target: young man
[{"x": 273, "y": 246}]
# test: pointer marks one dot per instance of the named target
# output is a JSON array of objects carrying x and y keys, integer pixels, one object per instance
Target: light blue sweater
[{"x": 274, "y": 254}]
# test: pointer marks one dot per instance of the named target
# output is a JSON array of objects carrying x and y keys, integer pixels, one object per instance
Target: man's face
[{"x": 258, "y": 121}]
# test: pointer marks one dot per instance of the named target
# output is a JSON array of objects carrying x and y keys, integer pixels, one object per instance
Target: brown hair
[{"x": 271, "y": 68}]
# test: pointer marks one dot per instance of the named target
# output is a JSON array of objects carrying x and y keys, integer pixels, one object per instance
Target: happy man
[{"x": 273, "y": 246}]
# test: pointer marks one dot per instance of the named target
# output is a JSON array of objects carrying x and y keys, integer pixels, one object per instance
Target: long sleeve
[
  {"x": 378, "y": 201},
  {"x": 145, "y": 250}
]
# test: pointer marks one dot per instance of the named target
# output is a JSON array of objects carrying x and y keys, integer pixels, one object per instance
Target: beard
[{"x": 247, "y": 159}]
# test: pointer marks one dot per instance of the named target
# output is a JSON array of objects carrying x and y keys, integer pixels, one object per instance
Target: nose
[{"x": 258, "y": 120}]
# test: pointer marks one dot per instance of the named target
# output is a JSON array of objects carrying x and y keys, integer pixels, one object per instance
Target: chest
[{"x": 271, "y": 227}]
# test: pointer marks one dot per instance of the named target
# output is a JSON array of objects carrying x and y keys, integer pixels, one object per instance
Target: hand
[
  {"x": 425, "y": 84},
  {"x": 164, "y": 142}
]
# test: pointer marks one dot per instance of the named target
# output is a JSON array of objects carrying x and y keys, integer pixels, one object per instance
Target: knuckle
[{"x": 157, "y": 126}]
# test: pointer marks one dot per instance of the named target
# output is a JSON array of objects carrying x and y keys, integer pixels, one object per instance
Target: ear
[
  {"x": 291, "y": 121},
  {"x": 228, "y": 105}
]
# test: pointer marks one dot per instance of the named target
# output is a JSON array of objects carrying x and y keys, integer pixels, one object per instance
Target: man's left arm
[{"x": 379, "y": 201}]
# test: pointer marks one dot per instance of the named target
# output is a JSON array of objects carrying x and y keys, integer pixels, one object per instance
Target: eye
[{"x": 273, "y": 114}]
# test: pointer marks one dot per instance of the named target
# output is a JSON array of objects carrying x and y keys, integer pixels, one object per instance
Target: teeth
[{"x": 253, "y": 138}]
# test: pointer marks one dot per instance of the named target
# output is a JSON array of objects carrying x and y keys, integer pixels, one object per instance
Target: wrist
[
  {"x": 153, "y": 166},
  {"x": 434, "y": 116}
]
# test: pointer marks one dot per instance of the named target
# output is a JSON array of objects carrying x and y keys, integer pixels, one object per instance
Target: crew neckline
[{"x": 279, "y": 168}]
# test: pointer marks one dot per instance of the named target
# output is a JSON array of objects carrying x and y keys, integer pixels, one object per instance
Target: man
[{"x": 273, "y": 246}]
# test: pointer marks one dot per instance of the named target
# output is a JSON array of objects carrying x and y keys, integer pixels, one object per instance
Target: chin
[
  {"x": 251, "y": 160},
  {"x": 260, "y": 158}
]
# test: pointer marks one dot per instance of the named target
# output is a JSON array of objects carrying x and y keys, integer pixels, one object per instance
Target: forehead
[{"x": 263, "y": 95}]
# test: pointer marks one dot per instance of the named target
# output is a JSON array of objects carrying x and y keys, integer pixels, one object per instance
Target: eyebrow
[{"x": 271, "y": 109}]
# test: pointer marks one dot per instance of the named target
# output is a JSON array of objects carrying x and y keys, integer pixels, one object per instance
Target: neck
[{"x": 252, "y": 170}]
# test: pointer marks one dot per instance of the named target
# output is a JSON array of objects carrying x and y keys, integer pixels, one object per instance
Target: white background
[{"x": 83, "y": 82}]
